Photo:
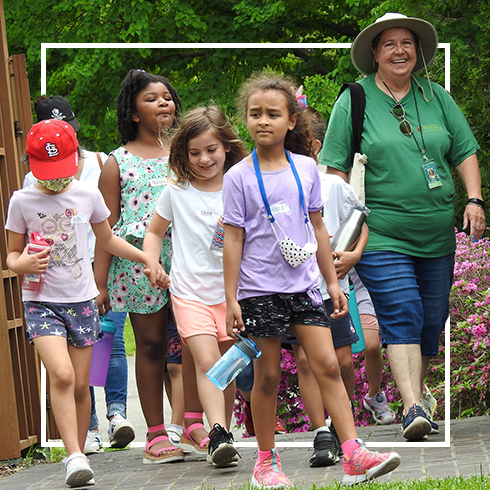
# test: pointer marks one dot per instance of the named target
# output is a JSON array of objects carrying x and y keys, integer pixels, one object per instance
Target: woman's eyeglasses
[{"x": 399, "y": 112}]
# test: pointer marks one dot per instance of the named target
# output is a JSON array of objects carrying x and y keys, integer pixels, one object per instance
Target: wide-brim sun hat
[{"x": 362, "y": 56}]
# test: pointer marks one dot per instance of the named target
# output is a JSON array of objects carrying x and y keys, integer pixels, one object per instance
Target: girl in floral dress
[{"x": 131, "y": 181}]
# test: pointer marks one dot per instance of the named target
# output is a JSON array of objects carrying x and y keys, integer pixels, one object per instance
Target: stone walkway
[{"x": 468, "y": 454}]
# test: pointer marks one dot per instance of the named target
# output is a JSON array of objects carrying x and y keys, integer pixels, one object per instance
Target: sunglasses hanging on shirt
[{"x": 429, "y": 166}]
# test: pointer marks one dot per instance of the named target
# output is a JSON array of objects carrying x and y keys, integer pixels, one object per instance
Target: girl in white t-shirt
[{"x": 203, "y": 148}]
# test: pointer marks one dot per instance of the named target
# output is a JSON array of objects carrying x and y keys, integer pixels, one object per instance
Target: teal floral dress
[{"x": 142, "y": 181}]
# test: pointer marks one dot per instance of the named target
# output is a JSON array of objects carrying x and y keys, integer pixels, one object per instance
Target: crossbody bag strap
[{"x": 99, "y": 160}]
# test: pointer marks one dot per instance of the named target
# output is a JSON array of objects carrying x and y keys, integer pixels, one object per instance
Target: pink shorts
[
  {"x": 369, "y": 322},
  {"x": 196, "y": 318}
]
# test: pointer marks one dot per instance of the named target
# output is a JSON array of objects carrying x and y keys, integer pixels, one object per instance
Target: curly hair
[
  {"x": 298, "y": 140},
  {"x": 134, "y": 82},
  {"x": 194, "y": 123}
]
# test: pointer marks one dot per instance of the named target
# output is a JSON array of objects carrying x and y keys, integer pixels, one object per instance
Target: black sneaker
[
  {"x": 325, "y": 450},
  {"x": 334, "y": 433},
  {"x": 221, "y": 452}
]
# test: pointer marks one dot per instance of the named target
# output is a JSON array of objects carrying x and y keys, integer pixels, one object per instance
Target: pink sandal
[
  {"x": 163, "y": 455},
  {"x": 187, "y": 442}
]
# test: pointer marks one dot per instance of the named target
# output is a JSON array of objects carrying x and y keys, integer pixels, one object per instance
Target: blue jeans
[
  {"x": 116, "y": 388},
  {"x": 410, "y": 296},
  {"x": 245, "y": 380}
]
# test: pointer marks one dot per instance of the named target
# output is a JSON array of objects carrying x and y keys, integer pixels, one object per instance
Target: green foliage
[
  {"x": 129, "y": 341},
  {"x": 90, "y": 76}
]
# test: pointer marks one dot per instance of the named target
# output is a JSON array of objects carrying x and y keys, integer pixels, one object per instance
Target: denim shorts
[
  {"x": 77, "y": 322},
  {"x": 410, "y": 295},
  {"x": 271, "y": 315}
]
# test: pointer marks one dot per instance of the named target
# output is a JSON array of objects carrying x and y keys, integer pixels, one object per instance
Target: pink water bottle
[
  {"x": 101, "y": 353},
  {"x": 34, "y": 282}
]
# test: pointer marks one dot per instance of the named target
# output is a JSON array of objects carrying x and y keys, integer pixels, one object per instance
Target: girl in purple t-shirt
[{"x": 275, "y": 241}]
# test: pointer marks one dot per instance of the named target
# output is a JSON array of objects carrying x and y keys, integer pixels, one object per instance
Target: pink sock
[
  {"x": 349, "y": 447},
  {"x": 263, "y": 455}
]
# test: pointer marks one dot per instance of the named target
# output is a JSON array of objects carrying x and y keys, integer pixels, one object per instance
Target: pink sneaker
[
  {"x": 366, "y": 465},
  {"x": 268, "y": 473}
]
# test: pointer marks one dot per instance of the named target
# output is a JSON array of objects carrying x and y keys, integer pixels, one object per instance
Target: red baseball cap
[{"x": 52, "y": 147}]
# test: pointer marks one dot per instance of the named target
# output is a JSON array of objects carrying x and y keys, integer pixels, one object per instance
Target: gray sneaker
[
  {"x": 428, "y": 403},
  {"x": 121, "y": 432},
  {"x": 429, "y": 406}
]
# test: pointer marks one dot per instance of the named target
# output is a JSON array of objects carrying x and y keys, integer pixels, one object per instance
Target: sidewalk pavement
[{"x": 468, "y": 454}]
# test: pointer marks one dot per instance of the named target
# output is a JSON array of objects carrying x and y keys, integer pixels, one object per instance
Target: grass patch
[
  {"x": 475, "y": 482},
  {"x": 129, "y": 338}
]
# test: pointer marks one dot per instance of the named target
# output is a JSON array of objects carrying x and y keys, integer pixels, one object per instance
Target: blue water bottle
[{"x": 233, "y": 361}]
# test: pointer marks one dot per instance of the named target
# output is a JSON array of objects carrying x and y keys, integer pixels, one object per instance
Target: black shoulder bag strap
[{"x": 358, "y": 103}]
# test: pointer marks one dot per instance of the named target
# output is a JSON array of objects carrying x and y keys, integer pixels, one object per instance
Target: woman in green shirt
[{"x": 413, "y": 135}]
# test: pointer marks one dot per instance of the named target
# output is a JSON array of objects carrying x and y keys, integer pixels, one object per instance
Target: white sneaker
[
  {"x": 121, "y": 432},
  {"x": 78, "y": 471},
  {"x": 174, "y": 432},
  {"x": 93, "y": 443}
]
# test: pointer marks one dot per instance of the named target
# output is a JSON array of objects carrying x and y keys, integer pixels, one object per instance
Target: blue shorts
[
  {"x": 271, "y": 315},
  {"x": 410, "y": 295},
  {"x": 343, "y": 330},
  {"x": 174, "y": 347},
  {"x": 77, "y": 322}
]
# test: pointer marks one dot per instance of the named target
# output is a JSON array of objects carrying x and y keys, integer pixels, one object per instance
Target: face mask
[
  {"x": 56, "y": 185},
  {"x": 293, "y": 253}
]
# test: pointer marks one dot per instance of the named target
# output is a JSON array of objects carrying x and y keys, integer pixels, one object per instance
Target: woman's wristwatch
[{"x": 477, "y": 202}]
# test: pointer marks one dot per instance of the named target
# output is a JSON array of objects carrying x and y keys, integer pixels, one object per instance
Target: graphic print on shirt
[{"x": 59, "y": 231}]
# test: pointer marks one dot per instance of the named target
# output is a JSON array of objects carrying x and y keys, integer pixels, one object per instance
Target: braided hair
[{"x": 134, "y": 82}]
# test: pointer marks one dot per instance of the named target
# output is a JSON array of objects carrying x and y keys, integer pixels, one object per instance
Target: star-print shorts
[
  {"x": 77, "y": 322},
  {"x": 271, "y": 315}
]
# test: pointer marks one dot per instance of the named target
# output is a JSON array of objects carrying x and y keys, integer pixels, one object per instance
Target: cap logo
[
  {"x": 51, "y": 150},
  {"x": 57, "y": 114}
]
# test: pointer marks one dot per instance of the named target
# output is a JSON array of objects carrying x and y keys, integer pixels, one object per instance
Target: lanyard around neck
[
  {"x": 262, "y": 188},
  {"x": 421, "y": 150}
]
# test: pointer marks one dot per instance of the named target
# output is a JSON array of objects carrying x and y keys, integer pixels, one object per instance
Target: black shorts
[{"x": 271, "y": 315}]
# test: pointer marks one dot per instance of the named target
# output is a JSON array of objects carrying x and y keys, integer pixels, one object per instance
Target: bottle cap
[
  {"x": 106, "y": 325},
  {"x": 248, "y": 347},
  {"x": 37, "y": 243}
]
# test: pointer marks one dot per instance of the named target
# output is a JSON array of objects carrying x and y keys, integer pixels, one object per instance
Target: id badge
[{"x": 431, "y": 175}]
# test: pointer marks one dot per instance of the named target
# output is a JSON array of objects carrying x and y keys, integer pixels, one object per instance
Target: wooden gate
[{"x": 20, "y": 410}]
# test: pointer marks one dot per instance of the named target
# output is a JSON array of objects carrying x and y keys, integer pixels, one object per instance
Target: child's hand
[
  {"x": 162, "y": 279},
  {"x": 156, "y": 274},
  {"x": 234, "y": 322},
  {"x": 103, "y": 300},
  {"x": 340, "y": 302},
  {"x": 344, "y": 262},
  {"x": 33, "y": 264}
]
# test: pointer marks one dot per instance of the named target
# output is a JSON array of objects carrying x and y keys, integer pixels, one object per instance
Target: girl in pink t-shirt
[{"x": 61, "y": 316}]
